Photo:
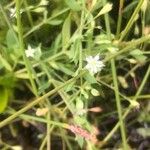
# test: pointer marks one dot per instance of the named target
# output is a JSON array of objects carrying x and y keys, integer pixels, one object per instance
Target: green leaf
[
  {"x": 138, "y": 55},
  {"x": 66, "y": 31},
  {"x": 5, "y": 63},
  {"x": 43, "y": 87},
  {"x": 80, "y": 141},
  {"x": 69, "y": 87},
  {"x": 55, "y": 22},
  {"x": 79, "y": 104},
  {"x": 105, "y": 9},
  {"x": 7, "y": 80},
  {"x": 84, "y": 93},
  {"x": 129, "y": 8},
  {"x": 11, "y": 39},
  {"x": 89, "y": 78},
  {"x": 72, "y": 4},
  {"x": 95, "y": 92},
  {"x": 145, "y": 132},
  {"x": 3, "y": 98},
  {"x": 65, "y": 69},
  {"x": 79, "y": 120}
]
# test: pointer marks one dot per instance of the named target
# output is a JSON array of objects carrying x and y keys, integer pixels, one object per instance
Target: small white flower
[
  {"x": 13, "y": 12},
  {"x": 94, "y": 64},
  {"x": 30, "y": 52}
]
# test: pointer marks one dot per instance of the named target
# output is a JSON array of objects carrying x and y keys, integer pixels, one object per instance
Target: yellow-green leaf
[
  {"x": 105, "y": 9},
  {"x": 3, "y": 98},
  {"x": 73, "y": 4},
  {"x": 66, "y": 31},
  {"x": 5, "y": 63}
]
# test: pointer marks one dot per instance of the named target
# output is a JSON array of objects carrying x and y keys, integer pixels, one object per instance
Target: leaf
[
  {"x": 66, "y": 31},
  {"x": 55, "y": 22},
  {"x": 79, "y": 120},
  {"x": 43, "y": 87},
  {"x": 69, "y": 87},
  {"x": 89, "y": 78},
  {"x": 11, "y": 39},
  {"x": 131, "y": 7},
  {"x": 95, "y": 92},
  {"x": 79, "y": 104},
  {"x": 5, "y": 63},
  {"x": 65, "y": 69},
  {"x": 80, "y": 141},
  {"x": 39, "y": 9},
  {"x": 84, "y": 93},
  {"x": 3, "y": 98},
  {"x": 105, "y": 9},
  {"x": 138, "y": 55},
  {"x": 72, "y": 4},
  {"x": 145, "y": 132},
  {"x": 8, "y": 80}
]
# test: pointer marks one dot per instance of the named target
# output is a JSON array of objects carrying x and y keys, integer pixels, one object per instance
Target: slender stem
[
  {"x": 39, "y": 119},
  {"x": 129, "y": 109},
  {"x": 48, "y": 132},
  {"x": 52, "y": 58},
  {"x": 142, "y": 84},
  {"x": 21, "y": 42},
  {"x": 38, "y": 100},
  {"x": 45, "y": 21},
  {"x": 122, "y": 126},
  {"x": 119, "y": 18},
  {"x": 114, "y": 74},
  {"x": 131, "y": 21},
  {"x": 29, "y": 17},
  {"x": 128, "y": 48}
]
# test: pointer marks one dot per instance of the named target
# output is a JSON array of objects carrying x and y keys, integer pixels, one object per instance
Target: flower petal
[{"x": 97, "y": 57}]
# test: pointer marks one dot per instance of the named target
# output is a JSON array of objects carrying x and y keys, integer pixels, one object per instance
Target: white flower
[
  {"x": 94, "y": 65},
  {"x": 13, "y": 12},
  {"x": 30, "y": 52}
]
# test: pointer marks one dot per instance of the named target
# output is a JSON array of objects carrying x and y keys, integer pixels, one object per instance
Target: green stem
[
  {"x": 128, "y": 48},
  {"x": 21, "y": 42},
  {"x": 38, "y": 100},
  {"x": 131, "y": 21},
  {"x": 122, "y": 126},
  {"x": 119, "y": 18},
  {"x": 44, "y": 22},
  {"x": 29, "y": 16},
  {"x": 38, "y": 119},
  {"x": 107, "y": 138},
  {"x": 114, "y": 74}
]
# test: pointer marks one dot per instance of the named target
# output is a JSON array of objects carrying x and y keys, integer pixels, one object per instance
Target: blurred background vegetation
[{"x": 112, "y": 106}]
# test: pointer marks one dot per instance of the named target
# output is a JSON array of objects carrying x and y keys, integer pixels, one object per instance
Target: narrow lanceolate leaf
[
  {"x": 72, "y": 4},
  {"x": 105, "y": 9},
  {"x": 66, "y": 31},
  {"x": 3, "y": 98},
  {"x": 5, "y": 63}
]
